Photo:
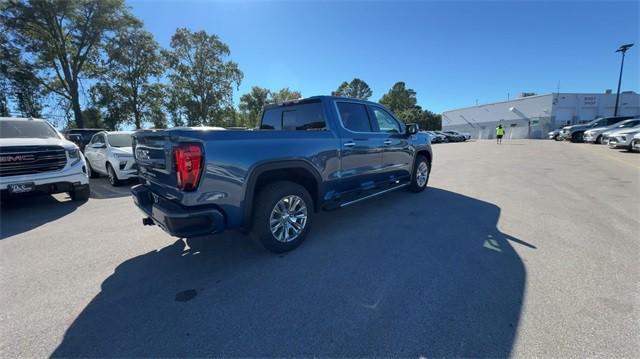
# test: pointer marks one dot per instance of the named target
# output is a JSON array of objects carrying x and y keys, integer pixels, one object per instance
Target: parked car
[
  {"x": 461, "y": 136},
  {"x": 635, "y": 143},
  {"x": 622, "y": 138},
  {"x": 575, "y": 133},
  {"x": 450, "y": 137},
  {"x": 436, "y": 138},
  {"x": 111, "y": 154},
  {"x": 555, "y": 135},
  {"x": 601, "y": 135},
  {"x": 311, "y": 154},
  {"x": 81, "y": 136},
  {"x": 35, "y": 158}
]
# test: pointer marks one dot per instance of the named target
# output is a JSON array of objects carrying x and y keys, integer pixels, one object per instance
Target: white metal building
[{"x": 535, "y": 116}]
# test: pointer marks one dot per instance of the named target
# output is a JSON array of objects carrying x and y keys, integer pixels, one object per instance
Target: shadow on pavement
[
  {"x": 24, "y": 213},
  {"x": 102, "y": 189},
  {"x": 399, "y": 275}
]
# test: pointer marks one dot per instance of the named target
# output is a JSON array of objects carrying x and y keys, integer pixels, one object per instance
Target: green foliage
[
  {"x": 251, "y": 105},
  {"x": 93, "y": 118},
  {"x": 133, "y": 60},
  {"x": 354, "y": 89},
  {"x": 62, "y": 40},
  {"x": 399, "y": 98},
  {"x": 19, "y": 85},
  {"x": 283, "y": 95},
  {"x": 201, "y": 76},
  {"x": 426, "y": 119}
]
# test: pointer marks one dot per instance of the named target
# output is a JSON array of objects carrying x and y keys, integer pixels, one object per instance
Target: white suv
[
  {"x": 35, "y": 158},
  {"x": 110, "y": 154}
]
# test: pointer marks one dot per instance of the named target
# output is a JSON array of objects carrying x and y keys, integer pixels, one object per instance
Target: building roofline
[{"x": 535, "y": 96}]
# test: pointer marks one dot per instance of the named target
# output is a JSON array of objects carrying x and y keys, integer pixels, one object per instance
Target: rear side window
[
  {"x": 302, "y": 117},
  {"x": 354, "y": 116}
]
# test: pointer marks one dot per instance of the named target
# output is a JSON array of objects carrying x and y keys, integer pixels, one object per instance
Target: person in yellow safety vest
[{"x": 499, "y": 134}]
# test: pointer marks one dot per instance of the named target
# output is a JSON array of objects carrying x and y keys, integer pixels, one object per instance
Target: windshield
[
  {"x": 26, "y": 129},
  {"x": 119, "y": 139}
]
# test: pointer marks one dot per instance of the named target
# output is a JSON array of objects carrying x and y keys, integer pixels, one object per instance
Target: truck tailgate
[{"x": 153, "y": 152}]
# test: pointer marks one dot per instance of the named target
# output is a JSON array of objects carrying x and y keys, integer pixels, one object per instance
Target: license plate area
[{"x": 21, "y": 187}]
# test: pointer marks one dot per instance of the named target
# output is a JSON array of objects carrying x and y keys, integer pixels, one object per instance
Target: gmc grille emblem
[{"x": 17, "y": 158}]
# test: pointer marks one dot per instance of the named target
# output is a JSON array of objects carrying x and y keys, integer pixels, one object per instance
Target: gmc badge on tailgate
[{"x": 142, "y": 154}]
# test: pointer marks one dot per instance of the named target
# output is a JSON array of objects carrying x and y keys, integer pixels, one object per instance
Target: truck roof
[{"x": 314, "y": 99}]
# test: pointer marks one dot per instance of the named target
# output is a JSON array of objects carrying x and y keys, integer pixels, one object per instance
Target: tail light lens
[{"x": 188, "y": 160}]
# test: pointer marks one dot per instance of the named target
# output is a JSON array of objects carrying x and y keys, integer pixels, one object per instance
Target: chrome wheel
[
  {"x": 422, "y": 174},
  {"x": 288, "y": 218}
]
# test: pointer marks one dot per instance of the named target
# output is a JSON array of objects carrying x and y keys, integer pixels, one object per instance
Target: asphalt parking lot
[{"x": 525, "y": 249}]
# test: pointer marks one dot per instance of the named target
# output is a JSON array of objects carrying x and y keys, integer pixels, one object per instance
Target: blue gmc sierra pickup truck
[{"x": 308, "y": 155}]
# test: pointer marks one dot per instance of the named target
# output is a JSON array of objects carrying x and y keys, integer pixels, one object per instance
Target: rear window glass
[
  {"x": 26, "y": 129},
  {"x": 303, "y": 117},
  {"x": 354, "y": 116}
]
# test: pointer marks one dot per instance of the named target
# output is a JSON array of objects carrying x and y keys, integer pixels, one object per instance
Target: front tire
[
  {"x": 113, "y": 177},
  {"x": 282, "y": 216},
  {"x": 91, "y": 172},
  {"x": 421, "y": 172},
  {"x": 577, "y": 137}
]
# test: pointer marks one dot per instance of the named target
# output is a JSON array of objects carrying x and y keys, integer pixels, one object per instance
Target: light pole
[{"x": 622, "y": 49}]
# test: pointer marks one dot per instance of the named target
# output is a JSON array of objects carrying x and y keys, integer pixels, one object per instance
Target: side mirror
[{"x": 412, "y": 128}]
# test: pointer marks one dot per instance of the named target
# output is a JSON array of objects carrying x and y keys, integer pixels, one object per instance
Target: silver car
[
  {"x": 622, "y": 138},
  {"x": 601, "y": 134},
  {"x": 110, "y": 154},
  {"x": 635, "y": 143}
]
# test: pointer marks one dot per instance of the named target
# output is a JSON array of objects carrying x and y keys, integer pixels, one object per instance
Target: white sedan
[{"x": 110, "y": 154}]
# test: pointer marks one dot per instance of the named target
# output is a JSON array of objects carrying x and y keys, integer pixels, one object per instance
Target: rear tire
[
  {"x": 282, "y": 216},
  {"x": 81, "y": 194},
  {"x": 599, "y": 140},
  {"x": 421, "y": 173},
  {"x": 113, "y": 177}
]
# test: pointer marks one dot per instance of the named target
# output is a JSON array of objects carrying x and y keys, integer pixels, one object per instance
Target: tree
[
  {"x": 201, "y": 76},
  {"x": 354, "y": 89},
  {"x": 284, "y": 95},
  {"x": 426, "y": 119},
  {"x": 399, "y": 98},
  {"x": 251, "y": 104},
  {"x": 62, "y": 40},
  {"x": 133, "y": 59},
  {"x": 19, "y": 84}
]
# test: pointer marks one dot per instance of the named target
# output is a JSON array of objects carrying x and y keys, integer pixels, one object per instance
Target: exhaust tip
[{"x": 147, "y": 221}]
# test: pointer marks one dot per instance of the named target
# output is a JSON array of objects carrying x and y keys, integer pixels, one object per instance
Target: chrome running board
[{"x": 373, "y": 195}]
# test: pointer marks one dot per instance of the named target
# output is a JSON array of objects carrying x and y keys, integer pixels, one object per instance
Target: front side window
[
  {"x": 98, "y": 139},
  {"x": 354, "y": 116},
  {"x": 26, "y": 129},
  {"x": 386, "y": 123}
]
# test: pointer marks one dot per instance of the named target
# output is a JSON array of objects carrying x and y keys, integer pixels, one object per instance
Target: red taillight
[{"x": 188, "y": 159}]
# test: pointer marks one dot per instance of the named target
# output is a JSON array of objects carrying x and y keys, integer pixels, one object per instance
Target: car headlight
[{"x": 74, "y": 155}]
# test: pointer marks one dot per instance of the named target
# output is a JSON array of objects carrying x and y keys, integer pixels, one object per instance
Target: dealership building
[{"x": 534, "y": 116}]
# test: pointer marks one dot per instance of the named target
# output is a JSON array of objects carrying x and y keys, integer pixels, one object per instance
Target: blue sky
[{"x": 451, "y": 53}]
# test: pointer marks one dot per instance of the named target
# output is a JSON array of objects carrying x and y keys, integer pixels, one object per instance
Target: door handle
[
  {"x": 349, "y": 144},
  {"x": 387, "y": 142}
]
